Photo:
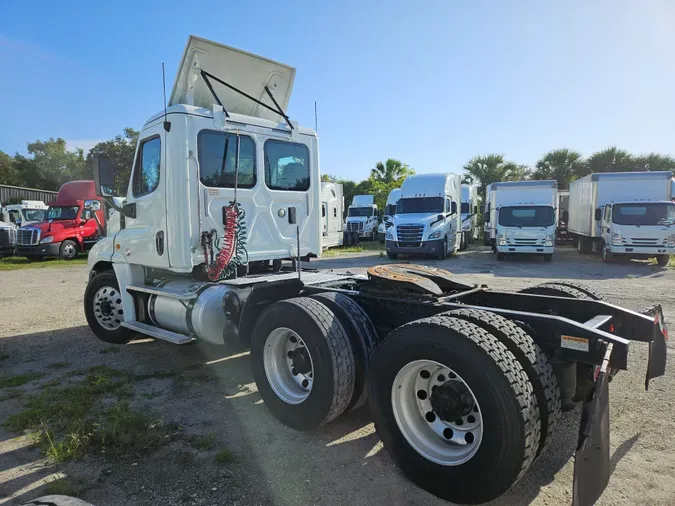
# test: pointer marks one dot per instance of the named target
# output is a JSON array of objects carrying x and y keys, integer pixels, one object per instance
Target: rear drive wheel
[
  {"x": 68, "y": 250},
  {"x": 103, "y": 309},
  {"x": 663, "y": 260},
  {"x": 584, "y": 245},
  {"x": 362, "y": 336},
  {"x": 453, "y": 405},
  {"x": 302, "y": 362},
  {"x": 581, "y": 287},
  {"x": 537, "y": 367},
  {"x": 556, "y": 290}
]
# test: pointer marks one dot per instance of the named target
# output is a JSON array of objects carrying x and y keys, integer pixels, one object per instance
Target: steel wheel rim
[
  {"x": 280, "y": 366},
  {"x": 108, "y": 307},
  {"x": 69, "y": 251},
  {"x": 442, "y": 442}
]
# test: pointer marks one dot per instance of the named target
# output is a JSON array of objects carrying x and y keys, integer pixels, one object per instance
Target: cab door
[
  {"x": 606, "y": 225},
  {"x": 143, "y": 241}
]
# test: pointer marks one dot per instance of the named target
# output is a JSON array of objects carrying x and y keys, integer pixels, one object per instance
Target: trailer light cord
[{"x": 232, "y": 252}]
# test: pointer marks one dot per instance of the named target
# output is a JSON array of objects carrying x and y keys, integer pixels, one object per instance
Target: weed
[
  {"x": 110, "y": 349},
  {"x": 58, "y": 365},
  {"x": 19, "y": 379},
  {"x": 12, "y": 394},
  {"x": 206, "y": 442},
  {"x": 60, "y": 486},
  {"x": 51, "y": 383},
  {"x": 224, "y": 456}
]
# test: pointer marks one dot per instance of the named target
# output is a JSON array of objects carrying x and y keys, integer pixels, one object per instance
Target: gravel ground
[{"x": 42, "y": 322}]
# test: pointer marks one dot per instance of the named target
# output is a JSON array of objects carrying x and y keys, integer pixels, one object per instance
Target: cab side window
[
  {"x": 448, "y": 206},
  {"x": 146, "y": 170},
  {"x": 608, "y": 214}
]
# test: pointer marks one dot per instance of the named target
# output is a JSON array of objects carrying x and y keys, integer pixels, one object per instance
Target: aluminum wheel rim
[
  {"x": 280, "y": 367},
  {"x": 445, "y": 443},
  {"x": 69, "y": 251},
  {"x": 108, "y": 307}
]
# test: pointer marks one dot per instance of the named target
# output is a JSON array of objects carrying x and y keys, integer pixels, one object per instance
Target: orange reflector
[
  {"x": 611, "y": 328},
  {"x": 117, "y": 246}
]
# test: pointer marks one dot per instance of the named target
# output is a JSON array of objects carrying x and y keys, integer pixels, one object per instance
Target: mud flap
[
  {"x": 591, "y": 460},
  {"x": 656, "y": 366}
]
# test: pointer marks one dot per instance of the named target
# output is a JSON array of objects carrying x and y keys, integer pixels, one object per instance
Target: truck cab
[
  {"x": 363, "y": 217},
  {"x": 72, "y": 224},
  {"x": 488, "y": 219},
  {"x": 332, "y": 215},
  {"x": 389, "y": 212},
  {"x": 427, "y": 219},
  {"x": 25, "y": 213},
  {"x": 526, "y": 218},
  {"x": 469, "y": 215}
]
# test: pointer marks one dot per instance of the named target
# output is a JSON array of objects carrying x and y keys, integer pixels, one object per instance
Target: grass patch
[
  {"x": 19, "y": 379},
  {"x": 12, "y": 394},
  {"x": 51, "y": 383},
  {"x": 363, "y": 246},
  {"x": 110, "y": 349},
  {"x": 62, "y": 486},
  {"x": 224, "y": 457},
  {"x": 58, "y": 365},
  {"x": 15, "y": 263},
  {"x": 206, "y": 442}
]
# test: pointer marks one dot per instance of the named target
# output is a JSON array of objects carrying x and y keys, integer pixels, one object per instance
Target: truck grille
[
  {"x": 642, "y": 241},
  {"x": 7, "y": 236},
  {"x": 524, "y": 242},
  {"x": 409, "y": 233},
  {"x": 354, "y": 226},
  {"x": 28, "y": 237}
]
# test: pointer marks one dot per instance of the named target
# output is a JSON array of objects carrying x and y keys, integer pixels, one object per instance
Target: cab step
[{"x": 157, "y": 333}]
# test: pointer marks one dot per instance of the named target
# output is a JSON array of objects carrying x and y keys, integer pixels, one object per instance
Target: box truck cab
[
  {"x": 29, "y": 211},
  {"x": 73, "y": 223},
  {"x": 388, "y": 213},
  {"x": 363, "y": 217},
  {"x": 332, "y": 214},
  {"x": 525, "y": 217},
  {"x": 469, "y": 215},
  {"x": 427, "y": 217},
  {"x": 624, "y": 214},
  {"x": 488, "y": 219}
]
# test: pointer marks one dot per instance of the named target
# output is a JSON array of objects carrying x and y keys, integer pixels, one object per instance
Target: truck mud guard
[{"x": 656, "y": 365}]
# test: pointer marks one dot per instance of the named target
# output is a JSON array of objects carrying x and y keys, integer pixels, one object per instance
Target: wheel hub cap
[
  {"x": 451, "y": 401},
  {"x": 108, "y": 308},
  {"x": 288, "y": 366}
]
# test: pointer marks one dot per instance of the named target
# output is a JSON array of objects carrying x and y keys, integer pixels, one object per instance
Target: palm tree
[
  {"x": 487, "y": 169},
  {"x": 390, "y": 171},
  {"x": 563, "y": 165},
  {"x": 655, "y": 161},
  {"x": 611, "y": 160}
]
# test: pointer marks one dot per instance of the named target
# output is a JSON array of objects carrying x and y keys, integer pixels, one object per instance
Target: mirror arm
[{"x": 111, "y": 202}]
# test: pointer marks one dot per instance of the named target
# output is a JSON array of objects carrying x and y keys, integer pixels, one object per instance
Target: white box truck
[
  {"x": 624, "y": 213},
  {"x": 469, "y": 215},
  {"x": 332, "y": 215},
  {"x": 362, "y": 217},
  {"x": 488, "y": 231},
  {"x": 389, "y": 212},
  {"x": 427, "y": 217},
  {"x": 522, "y": 215}
]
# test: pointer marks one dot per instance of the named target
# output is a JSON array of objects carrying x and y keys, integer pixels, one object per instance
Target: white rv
[
  {"x": 522, "y": 214},
  {"x": 332, "y": 215},
  {"x": 469, "y": 215},
  {"x": 427, "y": 217},
  {"x": 624, "y": 214},
  {"x": 362, "y": 217},
  {"x": 389, "y": 212},
  {"x": 29, "y": 211}
]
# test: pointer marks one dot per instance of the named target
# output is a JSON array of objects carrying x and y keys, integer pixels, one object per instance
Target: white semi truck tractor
[
  {"x": 624, "y": 214},
  {"x": 463, "y": 390},
  {"x": 363, "y": 217}
]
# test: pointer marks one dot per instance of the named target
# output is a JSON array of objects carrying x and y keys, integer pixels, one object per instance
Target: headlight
[
  {"x": 617, "y": 239},
  {"x": 671, "y": 241},
  {"x": 435, "y": 235},
  {"x": 47, "y": 240},
  {"x": 502, "y": 240},
  {"x": 549, "y": 240},
  {"x": 389, "y": 235}
]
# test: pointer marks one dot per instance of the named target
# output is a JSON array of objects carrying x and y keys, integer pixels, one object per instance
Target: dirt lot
[{"x": 205, "y": 392}]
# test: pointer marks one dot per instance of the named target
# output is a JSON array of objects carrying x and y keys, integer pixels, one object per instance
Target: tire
[
  {"x": 441, "y": 255},
  {"x": 392, "y": 256},
  {"x": 331, "y": 355},
  {"x": 583, "y": 245},
  {"x": 607, "y": 255},
  {"x": 663, "y": 260},
  {"x": 581, "y": 287},
  {"x": 496, "y": 380},
  {"x": 548, "y": 258},
  {"x": 556, "y": 290},
  {"x": 462, "y": 242},
  {"x": 362, "y": 336},
  {"x": 276, "y": 265},
  {"x": 106, "y": 287},
  {"x": 56, "y": 500},
  {"x": 533, "y": 360},
  {"x": 501, "y": 257},
  {"x": 68, "y": 250}
]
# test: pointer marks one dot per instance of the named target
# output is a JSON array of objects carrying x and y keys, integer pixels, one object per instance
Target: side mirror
[
  {"x": 486, "y": 217},
  {"x": 104, "y": 176},
  {"x": 441, "y": 216},
  {"x": 598, "y": 214},
  {"x": 453, "y": 207},
  {"x": 92, "y": 205}
]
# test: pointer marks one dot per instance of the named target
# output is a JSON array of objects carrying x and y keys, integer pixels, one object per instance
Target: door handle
[{"x": 159, "y": 243}]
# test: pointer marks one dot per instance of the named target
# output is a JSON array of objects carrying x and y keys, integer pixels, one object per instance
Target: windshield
[
  {"x": 62, "y": 213},
  {"x": 390, "y": 209},
  {"x": 425, "y": 205},
  {"x": 526, "y": 216},
  {"x": 655, "y": 213},
  {"x": 360, "y": 211},
  {"x": 34, "y": 214},
  {"x": 465, "y": 208}
]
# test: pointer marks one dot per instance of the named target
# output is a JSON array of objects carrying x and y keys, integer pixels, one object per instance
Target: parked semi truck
[
  {"x": 332, "y": 215},
  {"x": 7, "y": 238},
  {"x": 72, "y": 224},
  {"x": 427, "y": 219},
  {"x": 25, "y": 213},
  {"x": 627, "y": 214},
  {"x": 363, "y": 217},
  {"x": 469, "y": 215},
  {"x": 389, "y": 212},
  {"x": 469, "y": 383},
  {"x": 522, "y": 214}
]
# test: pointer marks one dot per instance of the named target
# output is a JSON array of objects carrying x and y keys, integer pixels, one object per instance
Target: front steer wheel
[
  {"x": 103, "y": 309},
  {"x": 454, "y": 408},
  {"x": 68, "y": 250}
]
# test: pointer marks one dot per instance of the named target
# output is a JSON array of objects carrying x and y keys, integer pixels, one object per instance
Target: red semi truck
[{"x": 74, "y": 222}]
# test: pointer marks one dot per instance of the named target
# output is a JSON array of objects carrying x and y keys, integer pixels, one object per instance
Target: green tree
[
  {"x": 329, "y": 178},
  {"x": 611, "y": 160},
  {"x": 390, "y": 171},
  {"x": 8, "y": 173},
  {"x": 120, "y": 149},
  {"x": 51, "y": 164},
  {"x": 655, "y": 162},
  {"x": 486, "y": 169},
  {"x": 563, "y": 165}
]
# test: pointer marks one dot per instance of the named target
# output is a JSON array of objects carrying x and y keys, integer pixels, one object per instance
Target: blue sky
[{"x": 431, "y": 83}]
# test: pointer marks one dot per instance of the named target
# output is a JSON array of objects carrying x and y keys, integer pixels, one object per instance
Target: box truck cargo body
[
  {"x": 624, "y": 213},
  {"x": 332, "y": 214}
]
